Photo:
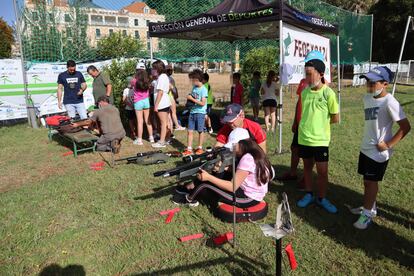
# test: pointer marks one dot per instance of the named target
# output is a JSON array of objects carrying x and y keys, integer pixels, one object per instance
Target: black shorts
[
  {"x": 167, "y": 109},
  {"x": 320, "y": 154},
  {"x": 270, "y": 103},
  {"x": 295, "y": 140},
  {"x": 371, "y": 169},
  {"x": 130, "y": 114}
]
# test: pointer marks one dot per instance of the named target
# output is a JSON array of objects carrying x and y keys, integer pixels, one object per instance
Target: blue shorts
[
  {"x": 196, "y": 122},
  {"x": 142, "y": 104}
]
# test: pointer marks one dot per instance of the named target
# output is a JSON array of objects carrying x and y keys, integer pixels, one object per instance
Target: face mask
[{"x": 377, "y": 92}]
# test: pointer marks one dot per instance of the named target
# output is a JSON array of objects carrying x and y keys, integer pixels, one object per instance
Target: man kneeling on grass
[
  {"x": 381, "y": 111},
  {"x": 253, "y": 173},
  {"x": 110, "y": 125}
]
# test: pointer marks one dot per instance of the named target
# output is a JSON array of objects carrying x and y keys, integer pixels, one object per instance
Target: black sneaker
[
  {"x": 179, "y": 199},
  {"x": 182, "y": 190},
  {"x": 191, "y": 203}
]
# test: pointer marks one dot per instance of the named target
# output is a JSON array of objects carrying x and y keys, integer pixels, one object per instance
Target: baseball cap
[
  {"x": 231, "y": 112},
  {"x": 140, "y": 65},
  {"x": 235, "y": 136},
  {"x": 314, "y": 55},
  {"x": 380, "y": 73},
  {"x": 318, "y": 64}
]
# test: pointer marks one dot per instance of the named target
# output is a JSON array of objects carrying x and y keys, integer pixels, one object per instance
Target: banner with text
[{"x": 296, "y": 44}]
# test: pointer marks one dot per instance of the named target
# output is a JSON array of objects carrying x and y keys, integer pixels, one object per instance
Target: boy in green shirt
[
  {"x": 210, "y": 101},
  {"x": 319, "y": 110}
]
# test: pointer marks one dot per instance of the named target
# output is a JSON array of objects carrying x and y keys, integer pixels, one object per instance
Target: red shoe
[
  {"x": 187, "y": 152},
  {"x": 199, "y": 151}
]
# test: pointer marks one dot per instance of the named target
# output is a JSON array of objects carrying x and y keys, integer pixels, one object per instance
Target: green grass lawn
[{"x": 56, "y": 212}]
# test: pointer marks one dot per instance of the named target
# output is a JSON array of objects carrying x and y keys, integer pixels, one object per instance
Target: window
[
  {"x": 146, "y": 10},
  {"x": 136, "y": 34},
  {"x": 51, "y": 17},
  {"x": 111, "y": 31},
  {"x": 68, "y": 18},
  {"x": 148, "y": 23},
  {"x": 135, "y": 22},
  {"x": 98, "y": 33},
  {"x": 124, "y": 32},
  {"x": 35, "y": 16}
]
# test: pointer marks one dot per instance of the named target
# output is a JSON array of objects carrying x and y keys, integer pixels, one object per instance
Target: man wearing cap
[
  {"x": 101, "y": 84},
  {"x": 233, "y": 117},
  {"x": 319, "y": 110},
  {"x": 381, "y": 111}
]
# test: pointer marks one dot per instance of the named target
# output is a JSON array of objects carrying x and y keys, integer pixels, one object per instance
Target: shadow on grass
[
  {"x": 57, "y": 270},
  {"x": 377, "y": 241}
]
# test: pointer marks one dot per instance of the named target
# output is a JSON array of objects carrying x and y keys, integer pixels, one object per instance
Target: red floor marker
[
  {"x": 219, "y": 240},
  {"x": 98, "y": 164},
  {"x": 96, "y": 168},
  {"x": 291, "y": 256},
  {"x": 67, "y": 153},
  {"x": 170, "y": 217},
  {"x": 166, "y": 212},
  {"x": 191, "y": 237}
]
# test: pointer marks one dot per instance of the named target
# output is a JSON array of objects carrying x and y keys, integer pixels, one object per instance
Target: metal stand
[
  {"x": 279, "y": 257},
  {"x": 234, "y": 195}
]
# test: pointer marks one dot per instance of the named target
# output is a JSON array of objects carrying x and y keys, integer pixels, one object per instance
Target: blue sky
[{"x": 7, "y": 11}]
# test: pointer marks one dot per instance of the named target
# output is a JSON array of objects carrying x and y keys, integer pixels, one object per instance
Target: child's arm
[
  {"x": 201, "y": 103},
  {"x": 405, "y": 127},
  {"x": 224, "y": 184}
]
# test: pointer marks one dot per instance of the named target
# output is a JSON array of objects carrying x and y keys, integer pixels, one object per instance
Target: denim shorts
[
  {"x": 196, "y": 121},
  {"x": 142, "y": 104}
]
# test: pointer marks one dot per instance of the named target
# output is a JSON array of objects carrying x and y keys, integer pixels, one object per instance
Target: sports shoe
[
  {"x": 116, "y": 146},
  {"x": 363, "y": 222},
  {"x": 179, "y": 199},
  {"x": 199, "y": 151},
  {"x": 169, "y": 141},
  {"x": 191, "y": 203},
  {"x": 179, "y": 128},
  {"x": 211, "y": 130},
  {"x": 182, "y": 190},
  {"x": 158, "y": 145},
  {"x": 187, "y": 152},
  {"x": 327, "y": 205},
  {"x": 151, "y": 139},
  {"x": 306, "y": 200},
  {"x": 138, "y": 142},
  {"x": 358, "y": 211}
]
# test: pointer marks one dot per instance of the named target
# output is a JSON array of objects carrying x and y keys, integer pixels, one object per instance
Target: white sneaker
[
  {"x": 179, "y": 128},
  {"x": 138, "y": 142},
  {"x": 151, "y": 139},
  {"x": 158, "y": 145},
  {"x": 358, "y": 211},
  {"x": 363, "y": 222},
  {"x": 211, "y": 130}
]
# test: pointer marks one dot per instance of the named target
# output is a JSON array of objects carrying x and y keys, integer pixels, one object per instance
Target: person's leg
[
  {"x": 190, "y": 140},
  {"x": 148, "y": 123},
  {"x": 71, "y": 110},
  {"x": 294, "y": 160},
  {"x": 132, "y": 125},
  {"x": 140, "y": 123},
  {"x": 103, "y": 144},
  {"x": 267, "y": 117},
  {"x": 163, "y": 116},
  {"x": 322, "y": 179},
  {"x": 174, "y": 115},
  {"x": 370, "y": 194},
  {"x": 80, "y": 108},
  {"x": 273, "y": 118},
  {"x": 200, "y": 129},
  {"x": 307, "y": 173}
]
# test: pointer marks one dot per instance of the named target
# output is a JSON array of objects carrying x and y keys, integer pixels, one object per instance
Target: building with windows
[{"x": 130, "y": 20}]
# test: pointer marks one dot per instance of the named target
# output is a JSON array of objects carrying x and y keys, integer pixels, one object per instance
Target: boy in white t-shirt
[{"x": 381, "y": 111}]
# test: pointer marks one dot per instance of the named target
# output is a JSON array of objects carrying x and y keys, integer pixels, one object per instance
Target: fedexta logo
[{"x": 286, "y": 43}]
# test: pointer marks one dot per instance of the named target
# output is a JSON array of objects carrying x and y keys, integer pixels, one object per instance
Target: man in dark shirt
[
  {"x": 73, "y": 83},
  {"x": 101, "y": 84},
  {"x": 109, "y": 121}
]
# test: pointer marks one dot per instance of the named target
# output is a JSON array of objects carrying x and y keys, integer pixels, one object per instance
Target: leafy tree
[
  {"x": 6, "y": 39},
  {"x": 390, "y": 19},
  {"x": 117, "y": 45}
]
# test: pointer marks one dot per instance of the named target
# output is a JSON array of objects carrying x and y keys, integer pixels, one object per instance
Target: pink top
[
  {"x": 140, "y": 95},
  {"x": 250, "y": 185}
]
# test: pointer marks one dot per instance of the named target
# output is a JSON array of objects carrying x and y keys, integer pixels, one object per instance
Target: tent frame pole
[
  {"x": 401, "y": 54},
  {"x": 338, "y": 64},
  {"x": 151, "y": 49},
  {"x": 281, "y": 87}
]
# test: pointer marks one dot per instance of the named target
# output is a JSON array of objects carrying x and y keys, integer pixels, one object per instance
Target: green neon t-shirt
[
  {"x": 317, "y": 108},
  {"x": 210, "y": 93}
]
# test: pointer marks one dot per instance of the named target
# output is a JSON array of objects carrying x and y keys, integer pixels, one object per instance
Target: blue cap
[
  {"x": 314, "y": 55},
  {"x": 380, "y": 73}
]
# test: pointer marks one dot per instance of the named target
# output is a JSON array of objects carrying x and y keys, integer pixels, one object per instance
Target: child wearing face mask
[
  {"x": 319, "y": 110},
  {"x": 381, "y": 111}
]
